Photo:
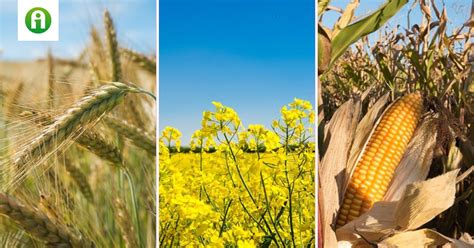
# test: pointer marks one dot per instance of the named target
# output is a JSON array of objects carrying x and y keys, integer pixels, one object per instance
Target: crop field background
[
  {"x": 394, "y": 153},
  {"x": 427, "y": 199},
  {"x": 237, "y": 138},
  {"x": 77, "y": 147},
  {"x": 239, "y": 185}
]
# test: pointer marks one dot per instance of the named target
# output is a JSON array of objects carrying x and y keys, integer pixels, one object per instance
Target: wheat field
[{"x": 77, "y": 147}]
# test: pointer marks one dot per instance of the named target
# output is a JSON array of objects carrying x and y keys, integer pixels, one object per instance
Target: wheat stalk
[
  {"x": 123, "y": 220},
  {"x": 39, "y": 225},
  {"x": 138, "y": 136}
]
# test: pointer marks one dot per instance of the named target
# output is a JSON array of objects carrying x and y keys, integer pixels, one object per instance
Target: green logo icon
[{"x": 38, "y": 20}]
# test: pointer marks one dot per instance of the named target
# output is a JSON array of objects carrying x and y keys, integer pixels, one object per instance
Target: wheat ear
[
  {"x": 37, "y": 224},
  {"x": 80, "y": 179},
  {"x": 112, "y": 44},
  {"x": 97, "y": 46},
  {"x": 87, "y": 110},
  {"x": 15, "y": 99},
  {"x": 138, "y": 136},
  {"x": 89, "y": 139},
  {"x": 93, "y": 142},
  {"x": 73, "y": 67},
  {"x": 60, "y": 187},
  {"x": 142, "y": 60},
  {"x": 50, "y": 79},
  {"x": 97, "y": 56}
]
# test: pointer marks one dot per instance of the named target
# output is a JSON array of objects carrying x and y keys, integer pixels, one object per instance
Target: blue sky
[
  {"x": 252, "y": 55},
  {"x": 135, "y": 21}
]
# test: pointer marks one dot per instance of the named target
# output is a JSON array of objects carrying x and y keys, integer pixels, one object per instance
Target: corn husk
[
  {"x": 416, "y": 161},
  {"x": 418, "y": 238},
  {"x": 421, "y": 202},
  {"x": 410, "y": 201},
  {"x": 465, "y": 241},
  {"x": 426, "y": 238},
  {"x": 338, "y": 138}
]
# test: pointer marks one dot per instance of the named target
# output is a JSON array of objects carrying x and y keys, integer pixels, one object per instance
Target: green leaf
[{"x": 367, "y": 25}]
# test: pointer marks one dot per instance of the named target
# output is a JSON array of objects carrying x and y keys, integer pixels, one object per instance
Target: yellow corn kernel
[{"x": 381, "y": 156}]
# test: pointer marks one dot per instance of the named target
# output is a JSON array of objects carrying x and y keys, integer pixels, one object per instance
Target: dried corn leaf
[
  {"x": 426, "y": 238},
  {"x": 470, "y": 88},
  {"x": 454, "y": 157},
  {"x": 466, "y": 237},
  {"x": 465, "y": 241},
  {"x": 359, "y": 244},
  {"x": 346, "y": 16},
  {"x": 422, "y": 201},
  {"x": 459, "y": 244},
  {"x": 418, "y": 238},
  {"x": 344, "y": 244},
  {"x": 338, "y": 138},
  {"x": 416, "y": 161}
]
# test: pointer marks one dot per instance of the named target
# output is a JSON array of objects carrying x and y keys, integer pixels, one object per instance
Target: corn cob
[{"x": 382, "y": 154}]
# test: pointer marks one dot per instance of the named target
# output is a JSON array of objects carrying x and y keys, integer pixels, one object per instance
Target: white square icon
[{"x": 38, "y": 20}]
